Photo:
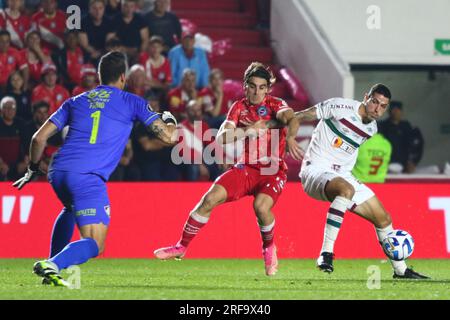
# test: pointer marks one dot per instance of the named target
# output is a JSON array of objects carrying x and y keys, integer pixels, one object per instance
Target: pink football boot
[
  {"x": 174, "y": 252},
  {"x": 270, "y": 260}
]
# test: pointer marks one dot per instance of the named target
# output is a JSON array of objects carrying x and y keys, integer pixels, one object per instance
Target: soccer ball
[{"x": 398, "y": 245}]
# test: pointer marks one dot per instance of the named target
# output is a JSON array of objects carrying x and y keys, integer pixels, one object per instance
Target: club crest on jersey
[
  {"x": 108, "y": 210},
  {"x": 262, "y": 111}
]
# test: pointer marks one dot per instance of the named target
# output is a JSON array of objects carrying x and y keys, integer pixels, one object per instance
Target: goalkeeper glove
[
  {"x": 167, "y": 117},
  {"x": 32, "y": 171}
]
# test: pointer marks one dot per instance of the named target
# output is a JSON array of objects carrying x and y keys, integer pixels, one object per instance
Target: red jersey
[
  {"x": 10, "y": 61},
  {"x": 178, "y": 100},
  {"x": 17, "y": 27},
  {"x": 51, "y": 29},
  {"x": 259, "y": 153},
  {"x": 209, "y": 99},
  {"x": 54, "y": 97},
  {"x": 79, "y": 90},
  {"x": 33, "y": 62},
  {"x": 162, "y": 73},
  {"x": 75, "y": 61}
]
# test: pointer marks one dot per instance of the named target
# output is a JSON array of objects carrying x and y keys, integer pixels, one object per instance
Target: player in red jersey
[
  {"x": 260, "y": 174},
  {"x": 50, "y": 23},
  {"x": 15, "y": 22}
]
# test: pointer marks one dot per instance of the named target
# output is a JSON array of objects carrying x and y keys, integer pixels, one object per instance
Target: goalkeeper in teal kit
[{"x": 100, "y": 122}]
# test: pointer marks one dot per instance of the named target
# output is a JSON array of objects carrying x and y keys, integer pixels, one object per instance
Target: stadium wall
[
  {"x": 386, "y": 31},
  {"x": 300, "y": 43},
  {"x": 146, "y": 216}
]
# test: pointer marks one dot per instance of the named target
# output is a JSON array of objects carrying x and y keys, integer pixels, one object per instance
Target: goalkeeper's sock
[
  {"x": 62, "y": 231},
  {"x": 76, "y": 253},
  {"x": 192, "y": 226},
  {"x": 398, "y": 266},
  {"x": 335, "y": 217},
  {"x": 267, "y": 233}
]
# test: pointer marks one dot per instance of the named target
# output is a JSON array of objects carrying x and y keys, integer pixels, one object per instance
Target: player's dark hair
[
  {"x": 112, "y": 65},
  {"x": 380, "y": 89},
  {"x": 257, "y": 69}
]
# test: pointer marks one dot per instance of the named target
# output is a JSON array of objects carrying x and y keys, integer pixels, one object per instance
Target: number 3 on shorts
[{"x": 95, "y": 122}]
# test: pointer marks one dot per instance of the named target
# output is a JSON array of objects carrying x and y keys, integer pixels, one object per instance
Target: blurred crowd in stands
[{"x": 42, "y": 63}]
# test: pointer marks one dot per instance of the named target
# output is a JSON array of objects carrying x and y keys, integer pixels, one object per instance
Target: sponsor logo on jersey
[
  {"x": 337, "y": 142},
  {"x": 86, "y": 212}
]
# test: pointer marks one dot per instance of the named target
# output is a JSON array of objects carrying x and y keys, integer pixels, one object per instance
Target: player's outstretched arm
[
  {"x": 37, "y": 146},
  {"x": 228, "y": 133},
  {"x": 293, "y": 126},
  {"x": 164, "y": 132}
]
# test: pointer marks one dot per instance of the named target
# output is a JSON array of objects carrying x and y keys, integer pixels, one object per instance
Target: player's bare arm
[
  {"x": 228, "y": 133},
  {"x": 37, "y": 146},
  {"x": 164, "y": 132},
  {"x": 39, "y": 140}
]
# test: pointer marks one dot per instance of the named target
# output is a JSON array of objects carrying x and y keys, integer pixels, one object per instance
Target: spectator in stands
[
  {"x": 49, "y": 91},
  {"x": 82, "y": 4},
  {"x": 10, "y": 125},
  {"x": 180, "y": 96},
  {"x": 114, "y": 44},
  {"x": 185, "y": 55},
  {"x": 89, "y": 80},
  {"x": 152, "y": 156},
  {"x": 398, "y": 132},
  {"x": 195, "y": 127},
  {"x": 35, "y": 56},
  {"x": 112, "y": 9},
  {"x": 31, "y": 6},
  {"x": 10, "y": 128},
  {"x": 70, "y": 60},
  {"x": 10, "y": 61},
  {"x": 126, "y": 170},
  {"x": 50, "y": 22},
  {"x": 94, "y": 28},
  {"x": 137, "y": 82},
  {"x": 40, "y": 115},
  {"x": 13, "y": 20},
  {"x": 131, "y": 29},
  {"x": 16, "y": 88},
  {"x": 4, "y": 169},
  {"x": 145, "y": 6},
  {"x": 157, "y": 67},
  {"x": 215, "y": 101},
  {"x": 163, "y": 23}
]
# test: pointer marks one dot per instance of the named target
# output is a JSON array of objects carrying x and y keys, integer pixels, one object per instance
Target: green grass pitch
[{"x": 203, "y": 279}]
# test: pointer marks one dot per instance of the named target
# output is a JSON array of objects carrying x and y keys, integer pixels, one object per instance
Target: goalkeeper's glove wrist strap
[{"x": 34, "y": 166}]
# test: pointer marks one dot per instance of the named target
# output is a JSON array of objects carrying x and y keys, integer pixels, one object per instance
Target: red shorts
[{"x": 242, "y": 180}]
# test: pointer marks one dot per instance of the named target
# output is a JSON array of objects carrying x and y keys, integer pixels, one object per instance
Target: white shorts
[{"x": 315, "y": 178}]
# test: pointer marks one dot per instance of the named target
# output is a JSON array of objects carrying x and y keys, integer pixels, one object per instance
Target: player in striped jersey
[{"x": 344, "y": 125}]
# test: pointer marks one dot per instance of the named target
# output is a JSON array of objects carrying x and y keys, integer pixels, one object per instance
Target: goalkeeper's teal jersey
[{"x": 373, "y": 160}]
